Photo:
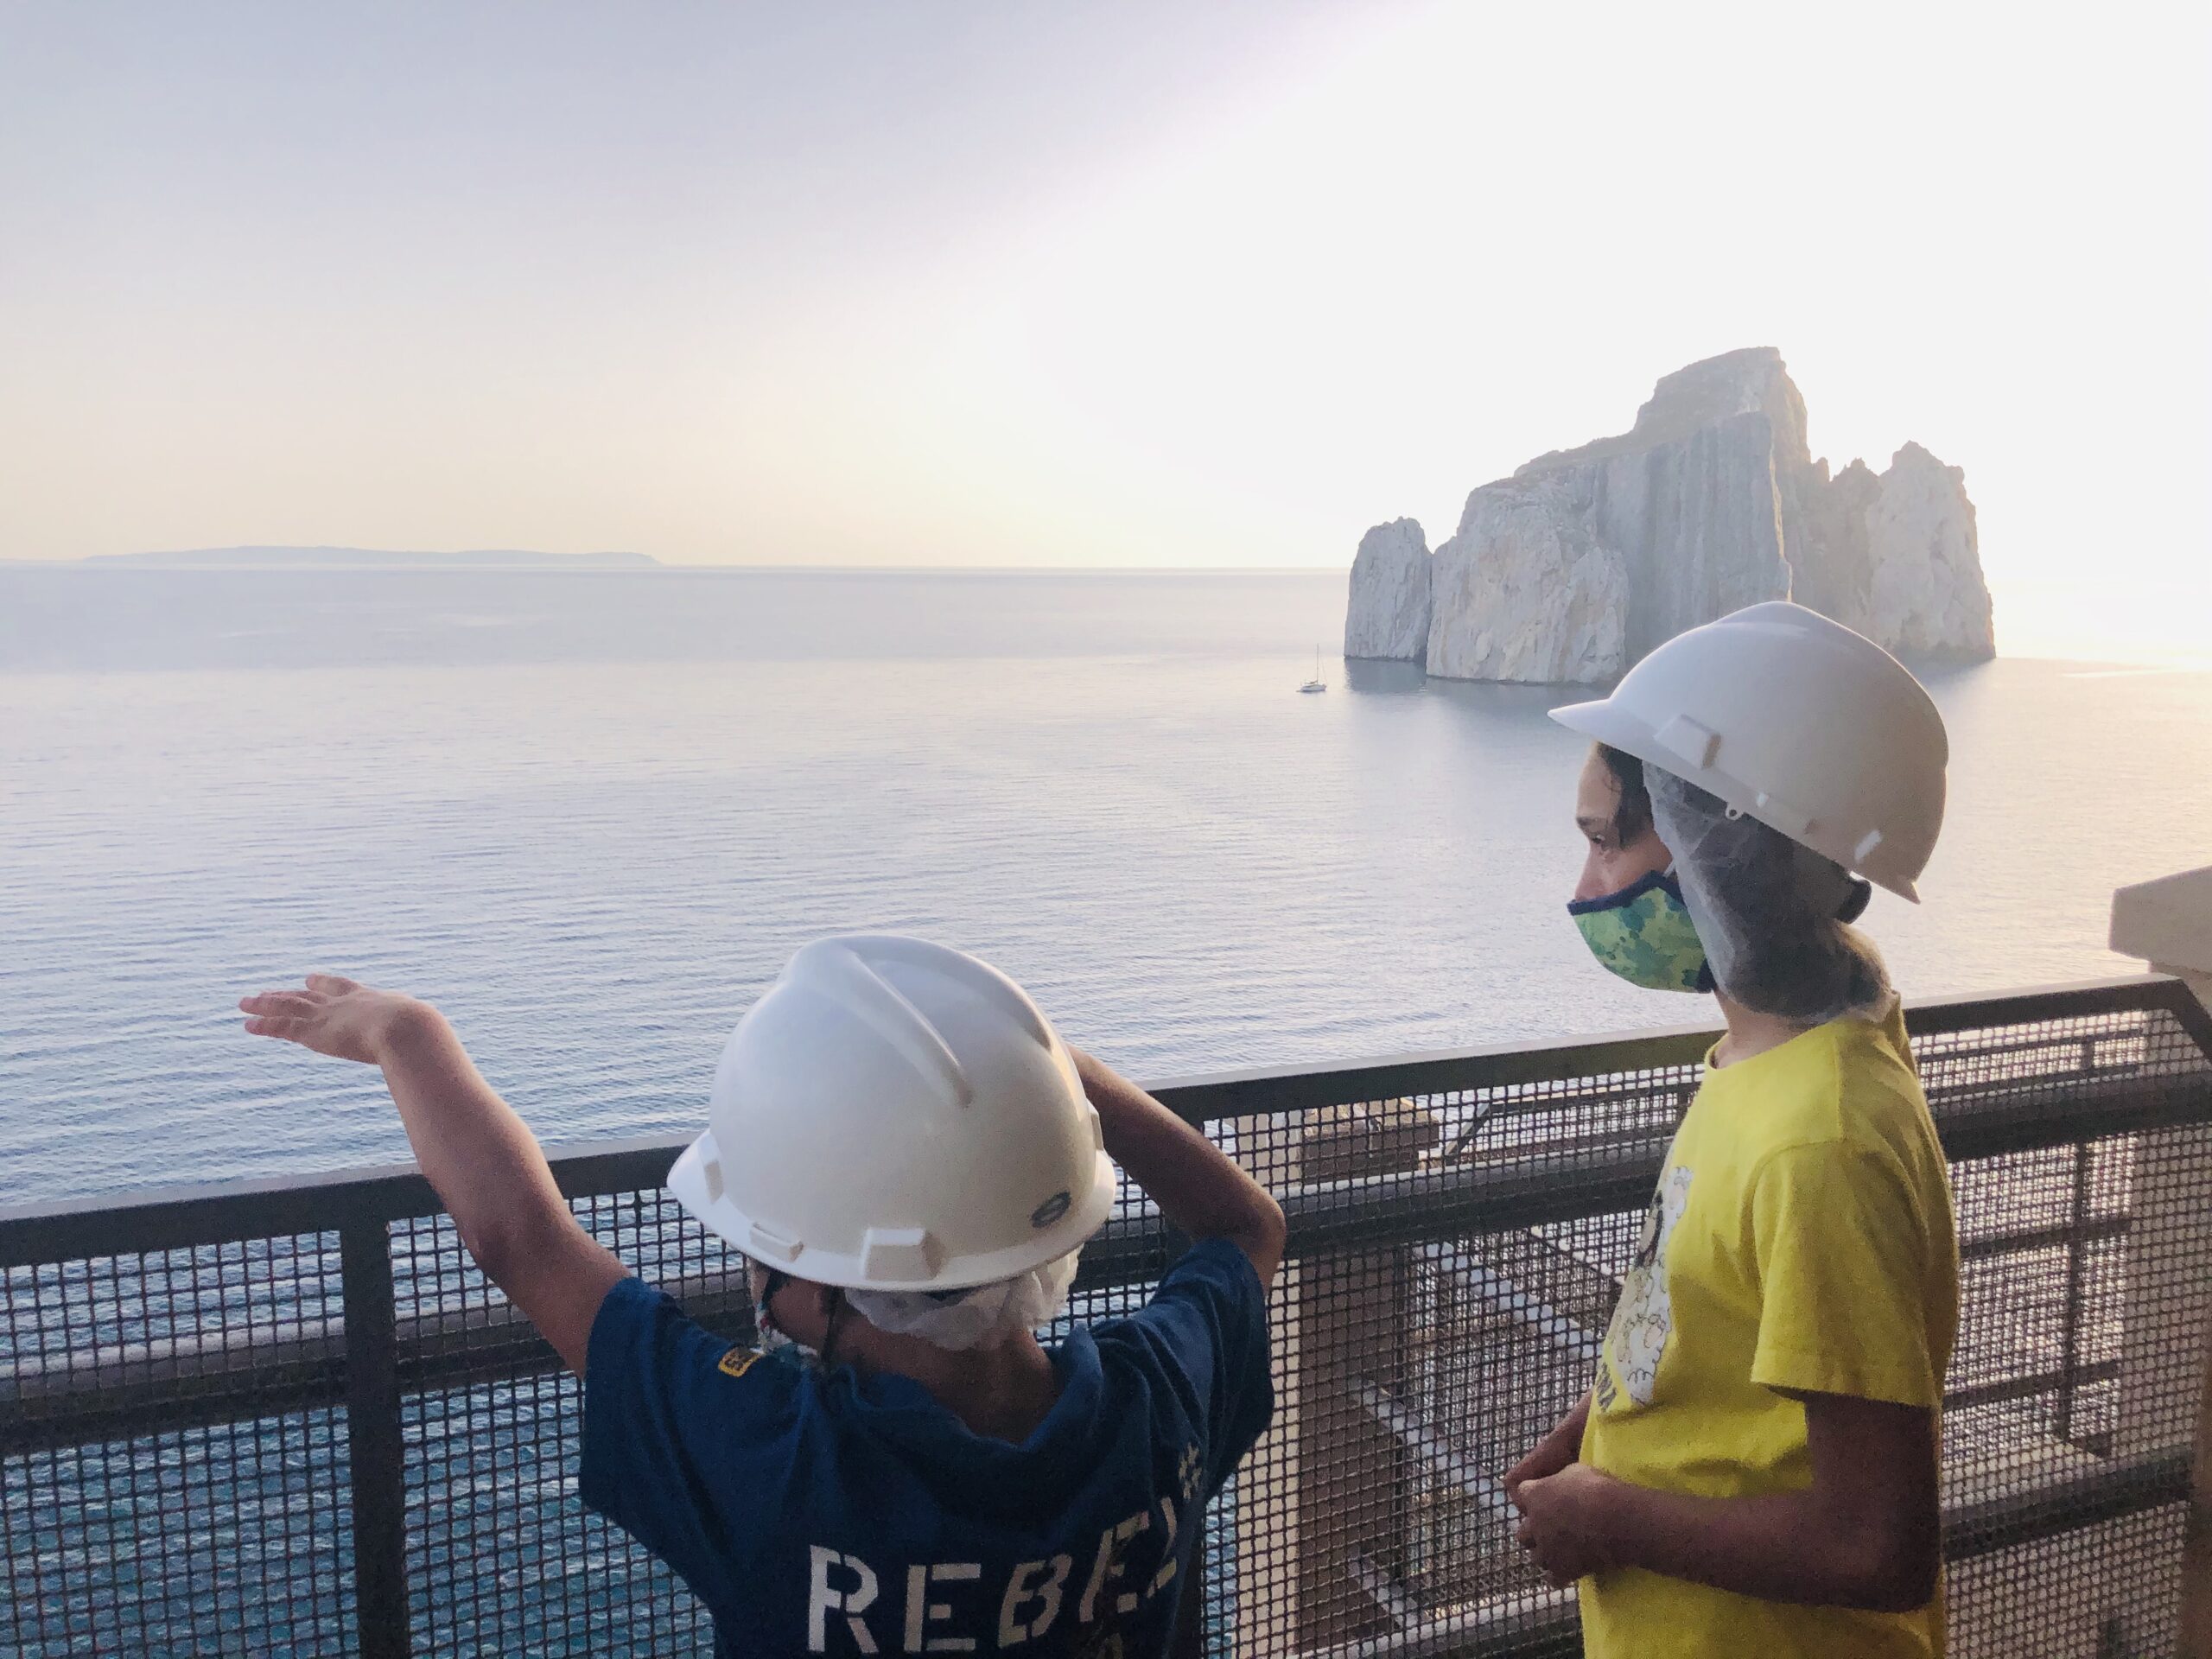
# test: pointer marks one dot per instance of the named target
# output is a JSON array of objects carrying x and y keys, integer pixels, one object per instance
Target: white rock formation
[
  {"x": 1895, "y": 556},
  {"x": 1526, "y": 591},
  {"x": 1827, "y": 542},
  {"x": 1689, "y": 496},
  {"x": 1587, "y": 558},
  {"x": 1925, "y": 594},
  {"x": 1751, "y": 381},
  {"x": 1387, "y": 613}
]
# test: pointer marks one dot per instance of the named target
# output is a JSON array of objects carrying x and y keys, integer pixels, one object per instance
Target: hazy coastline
[{"x": 369, "y": 558}]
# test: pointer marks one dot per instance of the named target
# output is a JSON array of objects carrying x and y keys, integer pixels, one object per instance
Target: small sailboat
[{"x": 1317, "y": 683}]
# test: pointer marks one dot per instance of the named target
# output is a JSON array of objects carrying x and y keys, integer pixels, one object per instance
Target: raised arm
[
  {"x": 1199, "y": 1190},
  {"x": 480, "y": 1156}
]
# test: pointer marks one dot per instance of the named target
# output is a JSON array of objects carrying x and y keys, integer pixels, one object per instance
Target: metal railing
[{"x": 290, "y": 1417}]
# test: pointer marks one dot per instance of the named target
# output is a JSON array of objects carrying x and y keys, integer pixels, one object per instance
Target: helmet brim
[
  {"x": 1604, "y": 720},
  {"x": 1608, "y": 723},
  {"x": 721, "y": 1215}
]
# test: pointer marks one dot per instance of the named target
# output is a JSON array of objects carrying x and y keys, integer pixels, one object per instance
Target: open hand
[
  {"x": 1563, "y": 1520},
  {"x": 333, "y": 1016}
]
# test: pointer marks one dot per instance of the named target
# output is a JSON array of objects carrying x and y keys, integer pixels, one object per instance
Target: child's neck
[
  {"x": 1750, "y": 1032},
  {"x": 1001, "y": 1393}
]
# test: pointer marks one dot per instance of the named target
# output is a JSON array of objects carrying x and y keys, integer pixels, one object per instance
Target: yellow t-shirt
[{"x": 1802, "y": 1237}]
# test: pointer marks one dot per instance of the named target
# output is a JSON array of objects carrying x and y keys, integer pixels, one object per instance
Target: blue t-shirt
[{"x": 826, "y": 1512}]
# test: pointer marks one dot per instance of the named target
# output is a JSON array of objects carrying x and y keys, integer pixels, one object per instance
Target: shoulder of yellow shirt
[{"x": 1845, "y": 1082}]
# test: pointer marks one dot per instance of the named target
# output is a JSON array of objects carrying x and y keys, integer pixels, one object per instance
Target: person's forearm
[
  {"x": 479, "y": 1156},
  {"x": 1199, "y": 1189},
  {"x": 1784, "y": 1547}
]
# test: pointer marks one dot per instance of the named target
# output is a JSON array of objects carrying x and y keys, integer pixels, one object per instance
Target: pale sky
[{"x": 1134, "y": 283}]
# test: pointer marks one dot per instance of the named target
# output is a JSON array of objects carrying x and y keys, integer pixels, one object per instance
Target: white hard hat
[
  {"x": 893, "y": 1115},
  {"x": 1795, "y": 721}
]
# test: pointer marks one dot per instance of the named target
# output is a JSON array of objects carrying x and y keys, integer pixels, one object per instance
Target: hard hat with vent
[
  {"x": 894, "y": 1115},
  {"x": 1795, "y": 721}
]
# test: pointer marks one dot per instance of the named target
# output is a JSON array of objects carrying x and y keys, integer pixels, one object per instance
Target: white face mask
[{"x": 972, "y": 1319}]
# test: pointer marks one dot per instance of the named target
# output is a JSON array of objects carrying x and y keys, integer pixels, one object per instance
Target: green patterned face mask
[{"x": 1644, "y": 934}]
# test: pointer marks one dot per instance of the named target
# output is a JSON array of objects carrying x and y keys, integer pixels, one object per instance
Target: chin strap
[
  {"x": 777, "y": 1281},
  {"x": 1855, "y": 903},
  {"x": 837, "y": 1304}
]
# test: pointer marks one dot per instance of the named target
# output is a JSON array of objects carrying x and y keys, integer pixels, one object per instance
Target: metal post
[
  {"x": 2196, "y": 1537},
  {"x": 1356, "y": 1310},
  {"x": 2069, "y": 1360},
  {"x": 376, "y": 1454}
]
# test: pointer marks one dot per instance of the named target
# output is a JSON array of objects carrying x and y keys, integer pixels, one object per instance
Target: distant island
[{"x": 204, "y": 558}]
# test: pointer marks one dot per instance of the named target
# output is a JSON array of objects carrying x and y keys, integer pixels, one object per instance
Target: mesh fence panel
[
  {"x": 502, "y": 1557},
  {"x": 204, "y": 1511},
  {"x": 173, "y": 1467}
]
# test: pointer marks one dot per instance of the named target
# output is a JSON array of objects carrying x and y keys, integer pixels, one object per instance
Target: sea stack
[
  {"x": 1584, "y": 559},
  {"x": 1388, "y": 614},
  {"x": 1526, "y": 591}
]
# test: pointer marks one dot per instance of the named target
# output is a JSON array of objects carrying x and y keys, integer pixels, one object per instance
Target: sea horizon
[{"x": 591, "y": 822}]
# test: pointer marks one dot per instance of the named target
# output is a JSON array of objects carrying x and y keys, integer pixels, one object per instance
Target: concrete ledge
[{"x": 2168, "y": 922}]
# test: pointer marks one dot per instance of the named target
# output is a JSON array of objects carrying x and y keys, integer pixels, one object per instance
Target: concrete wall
[{"x": 2167, "y": 1393}]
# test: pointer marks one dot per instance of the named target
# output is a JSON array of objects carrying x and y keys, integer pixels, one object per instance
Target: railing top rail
[
  {"x": 203, "y": 1213},
  {"x": 89, "y": 1393}
]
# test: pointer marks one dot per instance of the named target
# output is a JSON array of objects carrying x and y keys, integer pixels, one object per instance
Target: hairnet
[
  {"x": 1773, "y": 915},
  {"x": 979, "y": 1318}
]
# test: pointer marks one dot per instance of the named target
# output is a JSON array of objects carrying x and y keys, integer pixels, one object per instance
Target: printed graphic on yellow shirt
[{"x": 1645, "y": 1318}]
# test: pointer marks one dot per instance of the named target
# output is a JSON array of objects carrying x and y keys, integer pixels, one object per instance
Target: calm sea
[{"x": 589, "y": 814}]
